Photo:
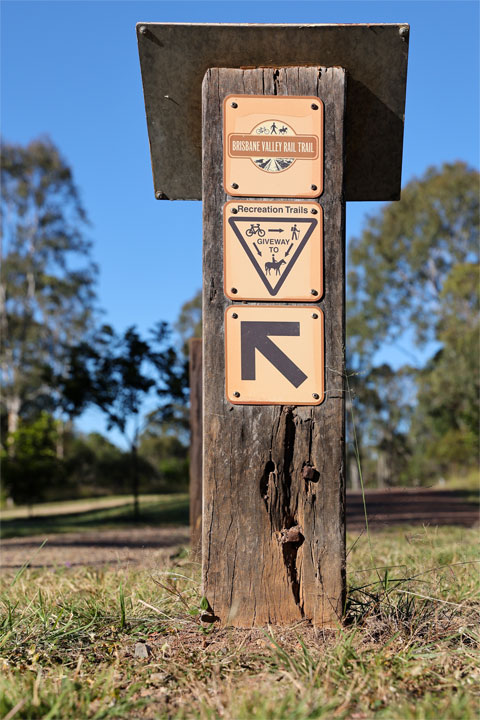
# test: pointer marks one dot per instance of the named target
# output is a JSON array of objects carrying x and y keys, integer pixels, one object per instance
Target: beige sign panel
[
  {"x": 273, "y": 251},
  {"x": 273, "y": 146},
  {"x": 274, "y": 355}
]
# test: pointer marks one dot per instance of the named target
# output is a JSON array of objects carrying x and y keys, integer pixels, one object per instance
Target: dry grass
[
  {"x": 67, "y": 507},
  {"x": 407, "y": 649}
]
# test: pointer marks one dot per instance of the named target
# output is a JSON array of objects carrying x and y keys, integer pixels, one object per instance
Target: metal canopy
[{"x": 175, "y": 57}]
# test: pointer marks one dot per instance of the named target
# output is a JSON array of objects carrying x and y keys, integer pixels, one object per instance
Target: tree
[
  {"x": 383, "y": 401},
  {"x": 33, "y": 466},
  {"x": 47, "y": 277},
  {"x": 163, "y": 449},
  {"x": 118, "y": 374},
  {"x": 400, "y": 263},
  {"x": 415, "y": 269},
  {"x": 448, "y": 413},
  {"x": 189, "y": 323}
]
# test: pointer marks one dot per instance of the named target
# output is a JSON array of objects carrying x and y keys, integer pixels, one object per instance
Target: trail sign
[
  {"x": 273, "y": 146},
  {"x": 273, "y": 251},
  {"x": 274, "y": 355},
  {"x": 264, "y": 110}
]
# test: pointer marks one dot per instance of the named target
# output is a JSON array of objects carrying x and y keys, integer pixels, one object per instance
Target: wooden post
[
  {"x": 195, "y": 347},
  {"x": 269, "y": 470}
]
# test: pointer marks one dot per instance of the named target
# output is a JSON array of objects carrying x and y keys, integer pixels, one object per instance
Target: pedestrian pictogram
[
  {"x": 273, "y": 251},
  {"x": 273, "y": 146},
  {"x": 274, "y": 355}
]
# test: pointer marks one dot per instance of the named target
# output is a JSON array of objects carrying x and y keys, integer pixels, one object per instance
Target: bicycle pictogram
[{"x": 255, "y": 229}]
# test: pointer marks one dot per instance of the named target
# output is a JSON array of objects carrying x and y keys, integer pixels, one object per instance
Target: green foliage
[
  {"x": 160, "y": 446},
  {"x": 383, "y": 406},
  {"x": 415, "y": 269},
  {"x": 51, "y": 357},
  {"x": 32, "y": 467},
  {"x": 118, "y": 374},
  {"x": 47, "y": 278},
  {"x": 94, "y": 465},
  {"x": 90, "y": 464},
  {"x": 401, "y": 262},
  {"x": 173, "y": 474},
  {"x": 447, "y": 419}
]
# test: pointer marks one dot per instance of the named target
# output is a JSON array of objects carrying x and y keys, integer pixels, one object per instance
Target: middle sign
[{"x": 273, "y": 251}]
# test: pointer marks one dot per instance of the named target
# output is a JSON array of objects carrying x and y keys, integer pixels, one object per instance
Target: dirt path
[
  {"x": 146, "y": 546},
  {"x": 152, "y": 546},
  {"x": 412, "y": 506}
]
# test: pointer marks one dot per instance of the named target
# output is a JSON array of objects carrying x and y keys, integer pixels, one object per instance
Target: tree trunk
[
  {"x": 136, "y": 507},
  {"x": 60, "y": 445},
  {"x": 13, "y": 416},
  {"x": 382, "y": 469},
  {"x": 274, "y": 488},
  {"x": 354, "y": 474}
]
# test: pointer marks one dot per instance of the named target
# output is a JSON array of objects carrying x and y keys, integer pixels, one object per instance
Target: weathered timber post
[
  {"x": 196, "y": 441},
  {"x": 273, "y": 409},
  {"x": 271, "y": 468}
]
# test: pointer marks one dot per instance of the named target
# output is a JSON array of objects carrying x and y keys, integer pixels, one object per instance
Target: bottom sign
[{"x": 274, "y": 355}]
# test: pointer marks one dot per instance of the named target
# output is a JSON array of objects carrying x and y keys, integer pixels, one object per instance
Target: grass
[
  {"x": 59, "y": 507},
  {"x": 407, "y": 650},
  {"x": 468, "y": 484},
  {"x": 161, "y": 510}
]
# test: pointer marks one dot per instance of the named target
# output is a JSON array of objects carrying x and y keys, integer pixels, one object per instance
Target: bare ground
[
  {"x": 146, "y": 546},
  {"x": 412, "y": 506},
  {"x": 153, "y": 546}
]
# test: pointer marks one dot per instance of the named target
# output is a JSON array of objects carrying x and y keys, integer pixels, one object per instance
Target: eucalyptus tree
[
  {"x": 189, "y": 321},
  {"x": 47, "y": 277},
  {"x": 447, "y": 419},
  {"x": 400, "y": 263},
  {"x": 413, "y": 279}
]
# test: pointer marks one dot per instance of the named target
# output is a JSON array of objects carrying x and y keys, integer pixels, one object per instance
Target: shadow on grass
[{"x": 171, "y": 511}]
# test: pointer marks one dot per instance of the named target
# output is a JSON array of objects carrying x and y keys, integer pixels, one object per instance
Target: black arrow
[
  {"x": 256, "y": 248},
  {"x": 279, "y": 230},
  {"x": 254, "y": 336},
  {"x": 288, "y": 251}
]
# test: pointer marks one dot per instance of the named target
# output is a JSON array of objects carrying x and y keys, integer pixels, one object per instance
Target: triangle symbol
[{"x": 273, "y": 245}]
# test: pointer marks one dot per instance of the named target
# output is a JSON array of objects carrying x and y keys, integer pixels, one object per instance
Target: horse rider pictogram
[{"x": 274, "y": 265}]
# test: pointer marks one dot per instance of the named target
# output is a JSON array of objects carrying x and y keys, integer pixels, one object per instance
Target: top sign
[
  {"x": 174, "y": 58},
  {"x": 273, "y": 146}
]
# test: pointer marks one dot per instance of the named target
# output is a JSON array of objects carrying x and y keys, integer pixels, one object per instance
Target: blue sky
[{"x": 70, "y": 70}]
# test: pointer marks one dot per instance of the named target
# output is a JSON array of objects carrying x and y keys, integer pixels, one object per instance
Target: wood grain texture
[
  {"x": 274, "y": 489},
  {"x": 196, "y": 442}
]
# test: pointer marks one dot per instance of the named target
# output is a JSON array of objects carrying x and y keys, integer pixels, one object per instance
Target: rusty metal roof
[{"x": 175, "y": 57}]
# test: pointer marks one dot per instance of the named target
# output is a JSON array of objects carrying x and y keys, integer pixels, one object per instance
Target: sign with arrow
[
  {"x": 274, "y": 355},
  {"x": 273, "y": 251}
]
